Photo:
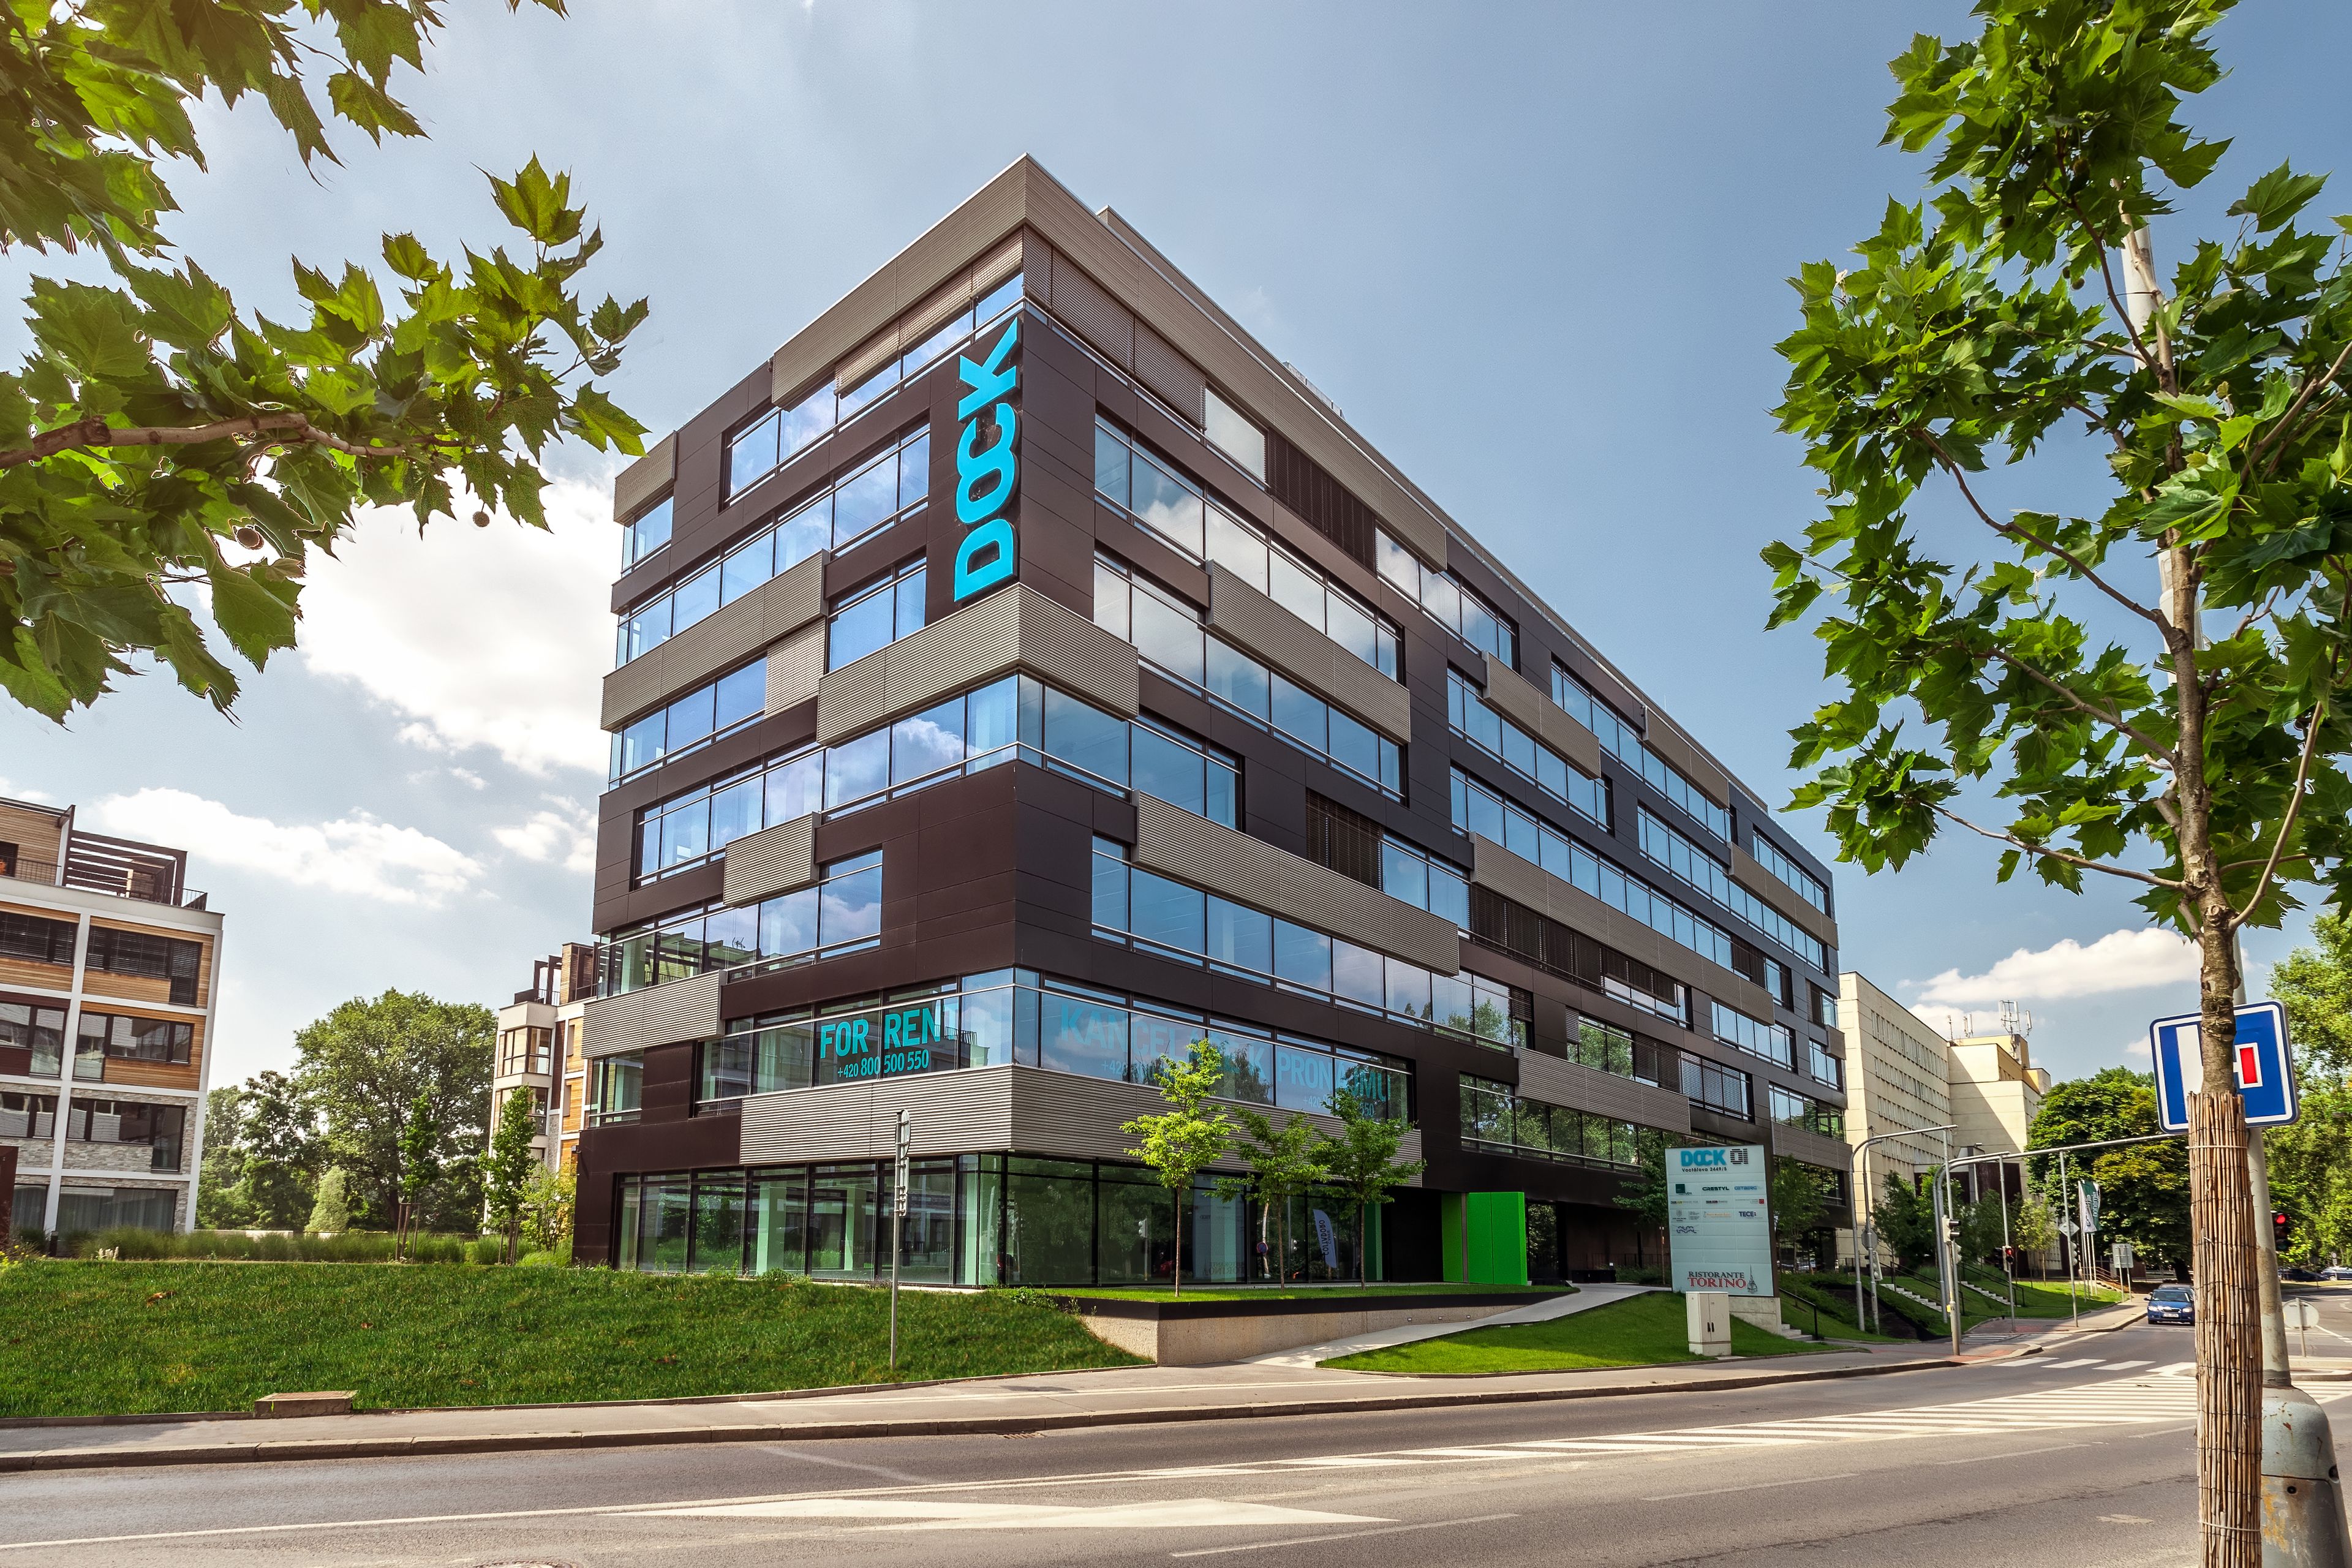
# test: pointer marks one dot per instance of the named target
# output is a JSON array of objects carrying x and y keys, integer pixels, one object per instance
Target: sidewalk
[
  {"x": 1587, "y": 1296},
  {"x": 1116, "y": 1396}
]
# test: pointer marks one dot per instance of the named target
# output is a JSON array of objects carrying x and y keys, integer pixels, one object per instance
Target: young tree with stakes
[
  {"x": 1281, "y": 1162},
  {"x": 1187, "y": 1138},
  {"x": 1360, "y": 1163},
  {"x": 2061, "y": 673},
  {"x": 507, "y": 1169},
  {"x": 420, "y": 1160}
]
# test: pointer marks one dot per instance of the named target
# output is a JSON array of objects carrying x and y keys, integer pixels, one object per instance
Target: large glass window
[
  {"x": 616, "y": 1089},
  {"x": 135, "y": 1039},
  {"x": 1015, "y": 717},
  {"x": 1767, "y": 1041},
  {"x": 159, "y": 1127},
  {"x": 692, "y": 722},
  {"x": 1469, "y": 716},
  {"x": 36, "y": 1028},
  {"x": 1167, "y": 632},
  {"x": 1710, "y": 1086},
  {"x": 1793, "y": 1110},
  {"x": 874, "y": 617},
  {"x": 844, "y": 511},
  {"x": 136, "y": 952},
  {"x": 1622, "y": 741},
  {"x": 782, "y": 433},
  {"x": 31, "y": 937},
  {"x": 1703, "y": 872},
  {"x": 27, "y": 1115},
  {"x": 1825, "y": 1068},
  {"x": 1449, "y": 603},
  {"x": 840, "y": 913},
  {"x": 646, "y": 532},
  {"x": 1801, "y": 882},
  {"x": 1497, "y": 1117},
  {"x": 1174, "y": 506},
  {"x": 1160, "y": 915}
]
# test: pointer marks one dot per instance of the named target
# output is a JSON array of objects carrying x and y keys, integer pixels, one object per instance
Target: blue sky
[{"x": 1430, "y": 210}]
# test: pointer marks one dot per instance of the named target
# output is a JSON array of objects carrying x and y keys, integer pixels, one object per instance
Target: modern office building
[
  {"x": 107, "y": 997},
  {"x": 1024, "y": 673},
  {"x": 539, "y": 1051}
]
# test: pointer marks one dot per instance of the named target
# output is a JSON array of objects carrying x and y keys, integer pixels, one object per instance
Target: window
[
  {"x": 693, "y": 721},
  {"x": 1468, "y": 715},
  {"x": 105, "y": 1035},
  {"x": 1175, "y": 507},
  {"x": 156, "y": 957},
  {"x": 782, "y": 433},
  {"x": 616, "y": 1089},
  {"x": 1442, "y": 596},
  {"x": 1825, "y": 1068},
  {"x": 30, "y": 937},
  {"x": 1710, "y": 1086},
  {"x": 130, "y": 1122},
  {"x": 525, "y": 1050},
  {"x": 1825, "y": 1007},
  {"x": 1353, "y": 845},
  {"x": 874, "y": 617},
  {"x": 646, "y": 532},
  {"x": 841, "y": 913},
  {"x": 1794, "y": 1110},
  {"x": 28, "y": 1115},
  {"x": 1496, "y": 1117},
  {"x": 1167, "y": 632},
  {"x": 1703, "y": 872},
  {"x": 1770, "y": 1042},
  {"x": 1230, "y": 431},
  {"x": 36, "y": 1028},
  {"x": 1535, "y": 938},
  {"x": 1158, "y": 915},
  {"x": 1622, "y": 741},
  {"x": 838, "y": 516},
  {"x": 1477, "y": 809},
  {"x": 1605, "y": 1047},
  {"x": 115, "y": 1209},
  {"x": 1801, "y": 882},
  {"x": 1018, "y": 716}
]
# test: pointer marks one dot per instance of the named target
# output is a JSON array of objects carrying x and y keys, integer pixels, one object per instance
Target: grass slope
[
  {"x": 1337, "y": 1295},
  {"x": 1641, "y": 1330},
  {"x": 84, "y": 1339}
]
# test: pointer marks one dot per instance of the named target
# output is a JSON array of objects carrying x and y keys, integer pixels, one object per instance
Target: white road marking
[
  {"x": 1754, "y": 1487},
  {"x": 1350, "y": 1535},
  {"x": 2061, "y": 1365},
  {"x": 948, "y": 1513},
  {"x": 2017, "y": 1453},
  {"x": 2120, "y": 1365}
]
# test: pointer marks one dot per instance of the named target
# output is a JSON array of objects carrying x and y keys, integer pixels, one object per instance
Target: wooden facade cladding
[{"x": 58, "y": 977}]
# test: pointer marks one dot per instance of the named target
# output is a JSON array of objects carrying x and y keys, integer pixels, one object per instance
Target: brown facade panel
[
  {"x": 1813, "y": 1148},
  {"x": 774, "y": 860},
  {"x": 1301, "y": 651},
  {"x": 1580, "y": 1087},
  {"x": 1687, "y": 759},
  {"x": 1173, "y": 841},
  {"x": 1018, "y": 628},
  {"x": 794, "y": 666},
  {"x": 647, "y": 478},
  {"x": 1750, "y": 874},
  {"x": 665, "y": 1015},
  {"x": 781, "y": 605},
  {"x": 1518, "y": 698}
]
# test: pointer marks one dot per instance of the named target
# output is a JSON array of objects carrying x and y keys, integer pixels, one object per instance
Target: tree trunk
[
  {"x": 1176, "y": 1258},
  {"x": 2229, "y": 1326}
]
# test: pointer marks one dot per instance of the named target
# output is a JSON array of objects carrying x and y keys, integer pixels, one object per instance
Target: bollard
[{"x": 2303, "y": 1496}]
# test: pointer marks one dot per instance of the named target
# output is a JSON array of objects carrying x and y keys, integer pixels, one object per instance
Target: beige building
[
  {"x": 1996, "y": 1091},
  {"x": 539, "y": 1050},
  {"x": 109, "y": 971}
]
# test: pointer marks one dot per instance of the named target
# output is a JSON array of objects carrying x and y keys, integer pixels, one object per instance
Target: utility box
[
  {"x": 1484, "y": 1237},
  {"x": 1710, "y": 1321}
]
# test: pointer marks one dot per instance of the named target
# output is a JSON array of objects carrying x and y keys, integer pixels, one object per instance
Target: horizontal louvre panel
[
  {"x": 646, "y": 478},
  {"x": 1750, "y": 874},
  {"x": 1322, "y": 502},
  {"x": 774, "y": 860},
  {"x": 1171, "y": 376},
  {"x": 1099, "y": 319},
  {"x": 1580, "y": 1087},
  {"x": 1172, "y": 841},
  {"x": 1813, "y": 1148},
  {"x": 853, "y": 371},
  {"x": 1017, "y": 629},
  {"x": 658, "y": 1016},
  {"x": 1302, "y": 652},
  {"x": 776, "y": 608},
  {"x": 794, "y": 666},
  {"x": 1685, "y": 759},
  {"x": 1516, "y": 699}
]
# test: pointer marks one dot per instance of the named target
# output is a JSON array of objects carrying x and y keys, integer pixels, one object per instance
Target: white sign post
[
  {"x": 899, "y": 1221},
  {"x": 1719, "y": 1220}
]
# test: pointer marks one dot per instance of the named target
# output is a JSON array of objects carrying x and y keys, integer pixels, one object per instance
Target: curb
[{"x": 269, "y": 1451}]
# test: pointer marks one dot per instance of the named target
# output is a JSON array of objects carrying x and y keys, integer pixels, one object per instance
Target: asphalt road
[{"x": 2054, "y": 1458}]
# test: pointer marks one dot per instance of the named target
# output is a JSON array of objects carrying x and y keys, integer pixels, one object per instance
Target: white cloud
[
  {"x": 13, "y": 792},
  {"x": 482, "y": 638},
  {"x": 357, "y": 854},
  {"x": 469, "y": 778},
  {"x": 567, "y": 832},
  {"x": 2129, "y": 960}
]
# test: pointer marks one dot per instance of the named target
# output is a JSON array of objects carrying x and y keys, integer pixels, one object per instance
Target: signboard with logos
[
  {"x": 1718, "y": 1221},
  {"x": 988, "y": 465},
  {"x": 2265, "y": 1079}
]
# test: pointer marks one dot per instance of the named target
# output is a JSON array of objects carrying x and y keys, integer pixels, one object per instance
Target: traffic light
[{"x": 2278, "y": 1231}]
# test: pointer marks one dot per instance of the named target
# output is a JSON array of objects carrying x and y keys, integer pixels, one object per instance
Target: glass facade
[
  {"x": 1620, "y": 740},
  {"x": 980, "y": 1219},
  {"x": 1468, "y": 715},
  {"x": 1442, "y": 596}
]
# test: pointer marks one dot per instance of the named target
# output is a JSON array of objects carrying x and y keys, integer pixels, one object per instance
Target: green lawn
[
  {"x": 1804, "y": 1305},
  {"x": 1641, "y": 1330},
  {"x": 84, "y": 1339},
  {"x": 1337, "y": 1294}
]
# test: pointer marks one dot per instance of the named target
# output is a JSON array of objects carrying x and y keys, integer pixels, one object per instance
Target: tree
[
  {"x": 156, "y": 437},
  {"x": 2032, "y": 1228},
  {"x": 1361, "y": 1164},
  {"x": 1187, "y": 1138},
  {"x": 277, "y": 1154},
  {"x": 366, "y": 1063},
  {"x": 1983, "y": 1227},
  {"x": 332, "y": 1215},
  {"x": 2311, "y": 1158},
  {"x": 1905, "y": 1223},
  {"x": 2143, "y": 1187},
  {"x": 1281, "y": 1165},
  {"x": 1801, "y": 1204},
  {"x": 2017, "y": 307},
  {"x": 547, "y": 1203},
  {"x": 507, "y": 1169},
  {"x": 220, "y": 1204},
  {"x": 420, "y": 1160},
  {"x": 1646, "y": 1193}
]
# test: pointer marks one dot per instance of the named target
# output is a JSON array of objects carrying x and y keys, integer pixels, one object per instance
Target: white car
[{"x": 2339, "y": 1272}]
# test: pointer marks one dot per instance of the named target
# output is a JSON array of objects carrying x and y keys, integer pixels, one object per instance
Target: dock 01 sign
[
  {"x": 1718, "y": 1225},
  {"x": 988, "y": 465}
]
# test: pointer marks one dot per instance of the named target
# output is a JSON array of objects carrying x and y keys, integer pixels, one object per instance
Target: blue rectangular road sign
[{"x": 2264, "y": 1080}]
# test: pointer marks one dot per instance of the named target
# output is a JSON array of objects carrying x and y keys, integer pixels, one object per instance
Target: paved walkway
[
  {"x": 1113, "y": 1396},
  {"x": 1586, "y": 1298}
]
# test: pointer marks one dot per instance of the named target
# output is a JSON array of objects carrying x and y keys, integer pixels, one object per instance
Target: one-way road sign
[{"x": 2264, "y": 1077}]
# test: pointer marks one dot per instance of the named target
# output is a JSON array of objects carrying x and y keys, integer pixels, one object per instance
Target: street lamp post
[{"x": 1861, "y": 1156}]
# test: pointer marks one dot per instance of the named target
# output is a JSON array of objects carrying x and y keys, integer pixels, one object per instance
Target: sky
[{"x": 1427, "y": 209}]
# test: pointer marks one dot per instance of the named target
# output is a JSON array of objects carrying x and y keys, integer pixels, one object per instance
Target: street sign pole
[
  {"x": 898, "y": 1223},
  {"x": 2074, "y": 1303}
]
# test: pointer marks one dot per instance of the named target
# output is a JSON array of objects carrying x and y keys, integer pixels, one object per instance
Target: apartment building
[
  {"x": 108, "y": 965},
  {"x": 1022, "y": 675},
  {"x": 539, "y": 1050}
]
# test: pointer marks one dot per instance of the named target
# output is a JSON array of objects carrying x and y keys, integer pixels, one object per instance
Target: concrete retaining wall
[{"x": 1199, "y": 1342}]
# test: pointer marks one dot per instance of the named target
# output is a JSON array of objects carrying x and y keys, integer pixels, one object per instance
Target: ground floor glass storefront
[{"x": 978, "y": 1219}]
